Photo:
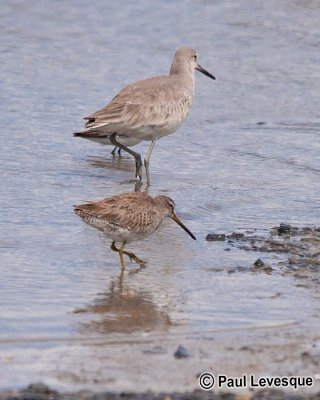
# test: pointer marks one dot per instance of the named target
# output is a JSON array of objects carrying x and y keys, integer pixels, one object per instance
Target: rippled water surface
[{"x": 247, "y": 157}]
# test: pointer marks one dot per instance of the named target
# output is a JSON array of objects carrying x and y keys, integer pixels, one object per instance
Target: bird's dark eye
[{"x": 195, "y": 57}]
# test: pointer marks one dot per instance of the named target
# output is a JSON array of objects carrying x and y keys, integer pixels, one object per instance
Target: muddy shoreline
[
  {"x": 290, "y": 348},
  {"x": 299, "y": 247},
  {"x": 40, "y": 391}
]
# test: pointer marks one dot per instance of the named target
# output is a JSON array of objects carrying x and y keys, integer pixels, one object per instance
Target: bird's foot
[
  {"x": 136, "y": 259},
  {"x": 138, "y": 177}
]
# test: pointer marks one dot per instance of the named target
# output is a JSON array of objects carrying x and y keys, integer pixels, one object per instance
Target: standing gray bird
[{"x": 147, "y": 110}]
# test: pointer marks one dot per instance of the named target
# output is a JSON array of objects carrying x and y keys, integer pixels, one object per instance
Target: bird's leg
[
  {"x": 115, "y": 149},
  {"x": 120, "y": 251},
  {"x": 136, "y": 156},
  {"x": 132, "y": 256},
  {"x": 147, "y": 160},
  {"x": 113, "y": 247}
]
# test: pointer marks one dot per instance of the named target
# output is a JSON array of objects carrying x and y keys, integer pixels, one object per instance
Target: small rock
[
  {"x": 38, "y": 391},
  {"x": 259, "y": 263},
  {"x": 181, "y": 352},
  {"x": 236, "y": 235},
  {"x": 39, "y": 388},
  {"x": 285, "y": 229},
  {"x": 216, "y": 237},
  {"x": 260, "y": 266}
]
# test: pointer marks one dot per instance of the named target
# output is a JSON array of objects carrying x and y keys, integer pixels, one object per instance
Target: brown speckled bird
[{"x": 129, "y": 217}]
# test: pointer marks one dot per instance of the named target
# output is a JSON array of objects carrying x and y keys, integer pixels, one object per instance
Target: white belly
[
  {"x": 126, "y": 141},
  {"x": 117, "y": 233}
]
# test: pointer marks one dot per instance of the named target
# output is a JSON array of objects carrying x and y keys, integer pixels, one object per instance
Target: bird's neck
[{"x": 184, "y": 75}]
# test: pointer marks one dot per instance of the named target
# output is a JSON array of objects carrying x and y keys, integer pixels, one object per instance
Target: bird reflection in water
[
  {"x": 119, "y": 163},
  {"x": 124, "y": 310}
]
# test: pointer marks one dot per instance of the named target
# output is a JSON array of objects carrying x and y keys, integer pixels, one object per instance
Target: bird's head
[
  {"x": 168, "y": 206},
  {"x": 185, "y": 59}
]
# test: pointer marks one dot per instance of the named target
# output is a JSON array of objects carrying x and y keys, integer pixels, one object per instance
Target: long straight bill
[
  {"x": 204, "y": 71},
  {"x": 177, "y": 220}
]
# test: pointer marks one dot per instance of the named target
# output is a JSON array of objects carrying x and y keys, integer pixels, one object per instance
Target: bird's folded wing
[
  {"x": 118, "y": 213},
  {"x": 140, "y": 104}
]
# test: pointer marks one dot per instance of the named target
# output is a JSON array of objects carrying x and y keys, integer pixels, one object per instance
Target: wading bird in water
[
  {"x": 147, "y": 110},
  {"x": 129, "y": 217}
]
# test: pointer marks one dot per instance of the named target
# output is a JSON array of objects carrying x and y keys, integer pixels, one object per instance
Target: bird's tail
[
  {"x": 91, "y": 133},
  {"x": 78, "y": 134}
]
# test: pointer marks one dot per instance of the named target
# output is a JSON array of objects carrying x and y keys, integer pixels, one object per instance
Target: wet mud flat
[
  {"x": 297, "y": 250},
  {"x": 288, "y": 349},
  {"x": 42, "y": 392},
  {"x": 282, "y": 348}
]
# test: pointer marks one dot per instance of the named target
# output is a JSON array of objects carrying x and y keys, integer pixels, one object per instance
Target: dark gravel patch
[
  {"x": 40, "y": 391},
  {"x": 300, "y": 247}
]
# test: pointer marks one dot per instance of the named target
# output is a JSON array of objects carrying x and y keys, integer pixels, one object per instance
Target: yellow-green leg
[
  {"x": 121, "y": 250},
  {"x": 132, "y": 256}
]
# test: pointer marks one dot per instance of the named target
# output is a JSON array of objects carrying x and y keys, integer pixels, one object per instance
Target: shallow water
[{"x": 247, "y": 157}]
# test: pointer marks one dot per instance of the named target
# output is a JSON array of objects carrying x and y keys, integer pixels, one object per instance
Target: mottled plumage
[
  {"x": 147, "y": 110},
  {"x": 128, "y": 217}
]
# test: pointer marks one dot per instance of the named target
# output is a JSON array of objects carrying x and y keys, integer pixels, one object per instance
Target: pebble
[
  {"x": 215, "y": 237},
  {"x": 181, "y": 352}
]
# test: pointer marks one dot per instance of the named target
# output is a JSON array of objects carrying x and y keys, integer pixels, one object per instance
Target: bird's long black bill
[
  {"x": 177, "y": 220},
  {"x": 204, "y": 71}
]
